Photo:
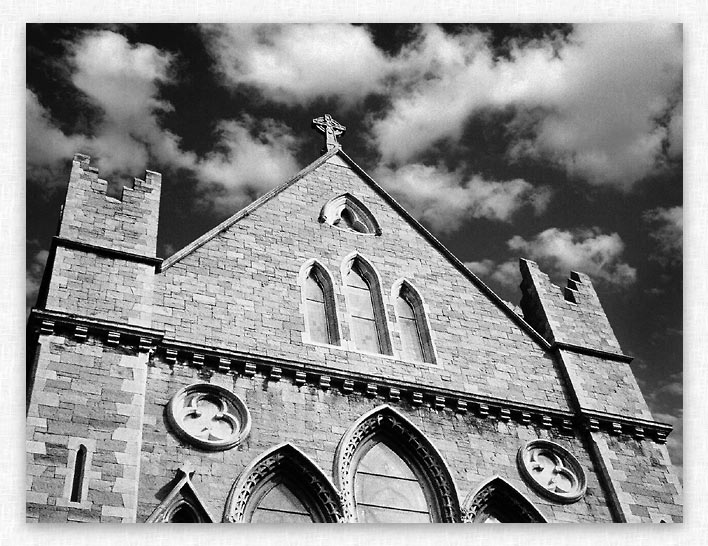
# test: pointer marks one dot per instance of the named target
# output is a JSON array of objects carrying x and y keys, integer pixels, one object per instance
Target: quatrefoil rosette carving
[
  {"x": 209, "y": 416},
  {"x": 552, "y": 471}
]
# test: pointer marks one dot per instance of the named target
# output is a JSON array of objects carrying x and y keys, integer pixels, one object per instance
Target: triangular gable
[
  {"x": 182, "y": 492},
  {"x": 338, "y": 156}
]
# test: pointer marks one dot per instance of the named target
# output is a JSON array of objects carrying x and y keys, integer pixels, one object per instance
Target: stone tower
[{"x": 320, "y": 356}]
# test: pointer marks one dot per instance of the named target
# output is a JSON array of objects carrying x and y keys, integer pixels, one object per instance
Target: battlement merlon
[
  {"x": 572, "y": 315},
  {"x": 127, "y": 224}
]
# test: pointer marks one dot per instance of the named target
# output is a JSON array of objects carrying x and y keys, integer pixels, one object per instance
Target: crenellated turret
[
  {"x": 572, "y": 314},
  {"x": 90, "y": 216},
  {"x": 102, "y": 263}
]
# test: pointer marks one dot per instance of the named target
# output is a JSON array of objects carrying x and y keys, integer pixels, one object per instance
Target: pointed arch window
[
  {"x": 366, "y": 315},
  {"x": 416, "y": 344},
  {"x": 319, "y": 307},
  {"x": 497, "y": 501},
  {"x": 182, "y": 503},
  {"x": 283, "y": 486},
  {"x": 386, "y": 490},
  {"x": 388, "y": 471},
  {"x": 349, "y": 213}
]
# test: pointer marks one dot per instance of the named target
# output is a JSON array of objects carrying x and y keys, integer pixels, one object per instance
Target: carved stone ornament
[
  {"x": 209, "y": 417},
  {"x": 287, "y": 463},
  {"x": 385, "y": 422},
  {"x": 552, "y": 471}
]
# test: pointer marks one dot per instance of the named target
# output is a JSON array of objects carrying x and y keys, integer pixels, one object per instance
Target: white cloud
[
  {"x": 123, "y": 80},
  {"x": 254, "y": 157},
  {"x": 48, "y": 148},
  {"x": 667, "y": 232},
  {"x": 600, "y": 104},
  {"x": 586, "y": 250},
  {"x": 507, "y": 273},
  {"x": 295, "y": 64},
  {"x": 445, "y": 199}
]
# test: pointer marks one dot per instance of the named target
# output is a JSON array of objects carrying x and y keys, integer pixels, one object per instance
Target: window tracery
[
  {"x": 349, "y": 213},
  {"x": 283, "y": 485},
  {"x": 209, "y": 416},
  {"x": 552, "y": 471},
  {"x": 382, "y": 452}
]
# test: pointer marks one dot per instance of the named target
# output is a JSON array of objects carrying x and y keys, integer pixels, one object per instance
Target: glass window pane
[
  {"x": 316, "y": 321},
  {"x": 410, "y": 340},
  {"x": 381, "y": 459},
  {"x": 365, "y": 335},
  {"x": 355, "y": 279},
  {"x": 403, "y": 308},
  {"x": 372, "y": 514},
  {"x": 281, "y": 498},
  {"x": 359, "y": 302},
  {"x": 313, "y": 290},
  {"x": 274, "y": 516},
  {"x": 390, "y": 492}
]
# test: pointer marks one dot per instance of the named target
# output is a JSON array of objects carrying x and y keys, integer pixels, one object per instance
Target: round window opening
[
  {"x": 552, "y": 471},
  {"x": 209, "y": 416}
]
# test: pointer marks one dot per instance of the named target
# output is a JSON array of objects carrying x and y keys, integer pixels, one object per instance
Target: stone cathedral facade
[{"x": 320, "y": 356}]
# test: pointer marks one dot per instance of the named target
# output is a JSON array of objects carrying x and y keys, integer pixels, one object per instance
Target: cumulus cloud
[
  {"x": 506, "y": 274},
  {"x": 295, "y": 64},
  {"x": 666, "y": 226},
  {"x": 123, "y": 80},
  {"x": 602, "y": 103},
  {"x": 48, "y": 148},
  {"x": 445, "y": 199},
  {"x": 587, "y": 250}
]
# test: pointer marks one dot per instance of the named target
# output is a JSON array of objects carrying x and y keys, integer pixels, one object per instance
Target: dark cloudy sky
[{"x": 559, "y": 143}]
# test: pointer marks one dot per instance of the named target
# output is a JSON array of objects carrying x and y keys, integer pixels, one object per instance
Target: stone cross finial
[{"x": 331, "y": 128}]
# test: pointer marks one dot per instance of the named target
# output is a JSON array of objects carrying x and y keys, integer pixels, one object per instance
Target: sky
[{"x": 558, "y": 143}]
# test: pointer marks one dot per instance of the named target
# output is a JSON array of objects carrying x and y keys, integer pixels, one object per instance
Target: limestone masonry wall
[
  {"x": 90, "y": 394},
  {"x": 240, "y": 291},
  {"x": 314, "y": 420}
]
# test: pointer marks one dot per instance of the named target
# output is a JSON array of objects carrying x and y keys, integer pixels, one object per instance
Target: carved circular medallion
[
  {"x": 552, "y": 471},
  {"x": 209, "y": 416}
]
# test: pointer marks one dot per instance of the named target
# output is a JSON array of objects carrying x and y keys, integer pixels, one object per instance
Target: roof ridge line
[
  {"x": 248, "y": 209},
  {"x": 454, "y": 260}
]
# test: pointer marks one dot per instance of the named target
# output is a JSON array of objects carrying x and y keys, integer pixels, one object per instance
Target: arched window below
[
  {"x": 367, "y": 320},
  {"x": 184, "y": 513},
  {"x": 416, "y": 344},
  {"x": 181, "y": 504},
  {"x": 497, "y": 501},
  {"x": 283, "y": 486},
  {"x": 388, "y": 471},
  {"x": 386, "y": 490},
  {"x": 319, "y": 307}
]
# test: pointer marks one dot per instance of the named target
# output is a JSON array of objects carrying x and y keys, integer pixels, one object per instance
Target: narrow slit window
[
  {"x": 320, "y": 313},
  {"x": 408, "y": 328},
  {"x": 79, "y": 470},
  {"x": 364, "y": 320},
  {"x": 416, "y": 344}
]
